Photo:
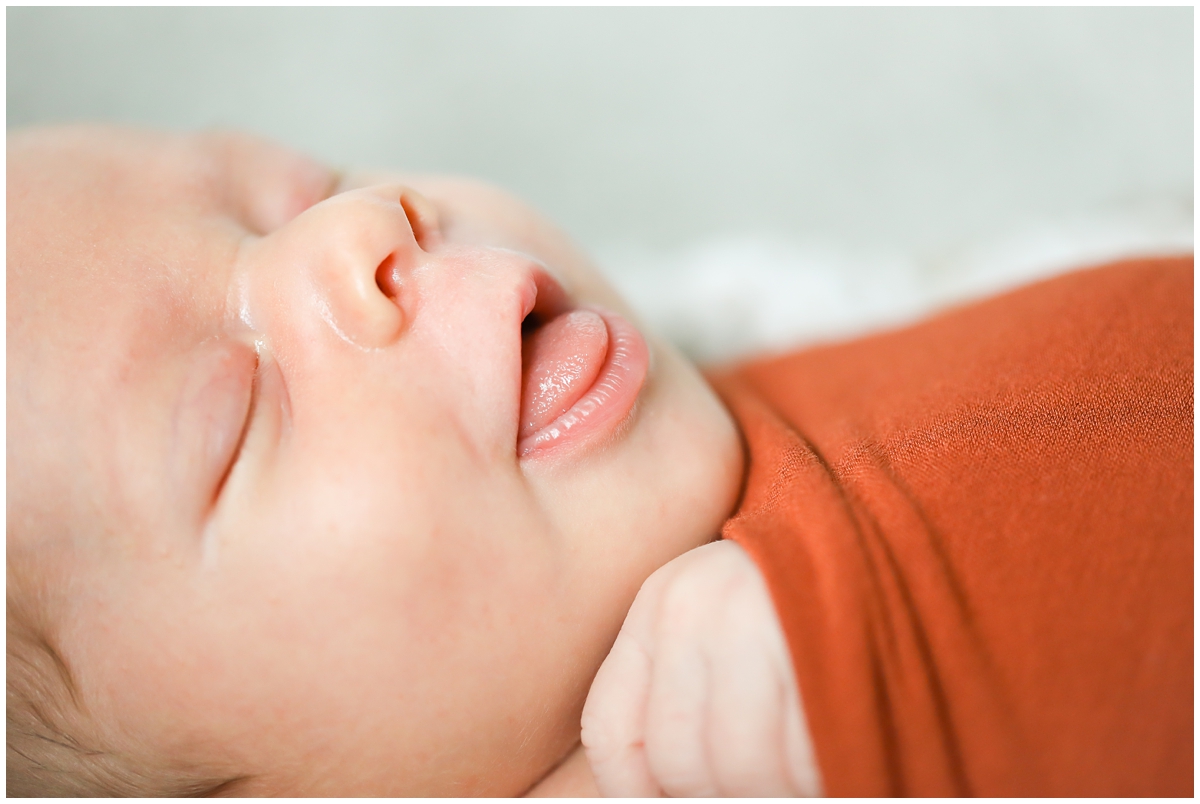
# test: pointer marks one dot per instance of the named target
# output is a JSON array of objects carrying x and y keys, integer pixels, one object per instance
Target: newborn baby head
[{"x": 319, "y": 485}]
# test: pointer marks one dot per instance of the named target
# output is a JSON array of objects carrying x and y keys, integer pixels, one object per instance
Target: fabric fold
[{"x": 978, "y": 534}]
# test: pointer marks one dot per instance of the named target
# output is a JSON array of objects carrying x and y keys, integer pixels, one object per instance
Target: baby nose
[{"x": 364, "y": 244}]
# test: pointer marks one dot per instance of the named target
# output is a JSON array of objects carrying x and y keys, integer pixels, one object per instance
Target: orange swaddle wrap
[{"x": 978, "y": 534}]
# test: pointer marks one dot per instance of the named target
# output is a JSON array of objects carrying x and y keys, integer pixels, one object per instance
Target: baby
[
  {"x": 345, "y": 485},
  {"x": 320, "y": 484}
]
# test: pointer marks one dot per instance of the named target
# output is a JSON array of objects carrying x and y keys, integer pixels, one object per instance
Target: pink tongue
[{"x": 559, "y": 363}]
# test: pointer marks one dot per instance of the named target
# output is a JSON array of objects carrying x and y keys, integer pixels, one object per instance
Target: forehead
[
  {"x": 115, "y": 251},
  {"x": 126, "y": 233}
]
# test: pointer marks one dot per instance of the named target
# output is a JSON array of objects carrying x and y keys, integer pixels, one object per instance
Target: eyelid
[
  {"x": 213, "y": 416},
  {"x": 240, "y": 441},
  {"x": 266, "y": 421}
]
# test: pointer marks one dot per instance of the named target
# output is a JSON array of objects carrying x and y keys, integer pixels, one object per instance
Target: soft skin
[
  {"x": 697, "y": 696},
  {"x": 271, "y": 509}
]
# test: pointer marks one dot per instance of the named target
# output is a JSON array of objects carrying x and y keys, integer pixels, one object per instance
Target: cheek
[
  {"x": 440, "y": 627},
  {"x": 360, "y": 558}
]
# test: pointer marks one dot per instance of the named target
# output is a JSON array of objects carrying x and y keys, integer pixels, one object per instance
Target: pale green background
[{"x": 910, "y": 130}]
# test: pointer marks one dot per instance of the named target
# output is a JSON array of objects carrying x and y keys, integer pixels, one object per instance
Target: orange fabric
[{"x": 978, "y": 534}]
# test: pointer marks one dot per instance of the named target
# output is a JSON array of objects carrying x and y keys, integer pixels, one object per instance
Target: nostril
[
  {"x": 423, "y": 218},
  {"x": 387, "y": 277}
]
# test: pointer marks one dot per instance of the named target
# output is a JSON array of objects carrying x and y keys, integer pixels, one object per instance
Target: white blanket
[{"x": 727, "y": 298}]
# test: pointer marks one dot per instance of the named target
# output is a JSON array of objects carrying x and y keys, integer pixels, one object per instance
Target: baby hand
[{"x": 697, "y": 696}]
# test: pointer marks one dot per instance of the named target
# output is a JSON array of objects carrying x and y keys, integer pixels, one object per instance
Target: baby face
[{"x": 301, "y": 500}]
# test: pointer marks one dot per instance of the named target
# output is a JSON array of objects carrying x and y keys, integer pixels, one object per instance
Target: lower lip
[{"x": 607, "y": 404}]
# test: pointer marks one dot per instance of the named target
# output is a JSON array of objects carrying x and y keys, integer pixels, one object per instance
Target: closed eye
[
  {"x": 216, "y": 409},
  {"x": 246, "y": 418}
]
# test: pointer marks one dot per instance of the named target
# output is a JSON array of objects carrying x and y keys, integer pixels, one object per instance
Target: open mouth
[{"x": 581, "y": 372}]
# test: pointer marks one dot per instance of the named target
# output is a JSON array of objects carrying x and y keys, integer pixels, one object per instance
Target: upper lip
[
  {"x": 543, "y": 298},
  {"x": 549, "y": 299}
]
